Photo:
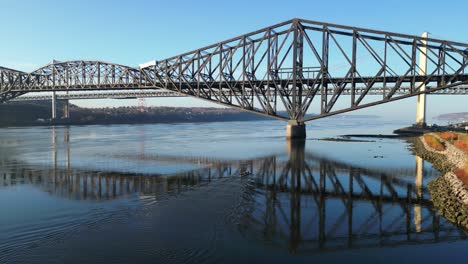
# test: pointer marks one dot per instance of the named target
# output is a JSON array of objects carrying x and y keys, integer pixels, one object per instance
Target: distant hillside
[
  {"x": 454, "y": 117},
  {"x": 38, "y": 113},
  {"x": 12, "y": 114}
]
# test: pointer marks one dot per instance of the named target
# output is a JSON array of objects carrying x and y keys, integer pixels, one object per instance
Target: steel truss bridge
[
  {"x": 288, "y": 66},
  {"x": 156, "y": 93}
]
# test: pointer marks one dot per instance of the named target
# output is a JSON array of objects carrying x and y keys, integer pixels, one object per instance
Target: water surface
[{"x": 217, "y": 192}]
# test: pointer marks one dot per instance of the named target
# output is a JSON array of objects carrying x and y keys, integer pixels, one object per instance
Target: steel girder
[
  {"x": 10, "y": 80},
  {"x": 149, "y": 93},
  {"x": 70, "y": 75},
  {"x": 85, "y": 75},
  {"x": 279, "y": 71},
  {"x": 299, "y": 62}
]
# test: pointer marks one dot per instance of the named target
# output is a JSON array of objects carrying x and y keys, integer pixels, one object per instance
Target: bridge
[
  {"x": 157, "y": 93},
  {"x": 278, "y": 71}
]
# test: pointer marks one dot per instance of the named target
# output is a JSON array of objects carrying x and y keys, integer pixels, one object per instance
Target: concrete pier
[
  {"x": 54, "y": 106},
  {"x": 66, "y": 109},
  {"x": 421, "y": 106},
  {"x": 296, "y": 151},
  {"x": 295, "y": 130}
]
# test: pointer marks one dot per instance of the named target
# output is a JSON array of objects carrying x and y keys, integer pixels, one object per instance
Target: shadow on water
[{"x": 298, "y": 200}]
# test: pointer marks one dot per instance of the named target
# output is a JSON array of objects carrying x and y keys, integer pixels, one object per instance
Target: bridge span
[
  {"x": 278, "y": 71},
  {"x": 157, "y": 93}
]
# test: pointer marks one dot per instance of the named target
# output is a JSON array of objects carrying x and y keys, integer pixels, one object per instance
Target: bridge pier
[
  {"x": 54, "y": 106},
  {"x": 295, "y": 130},
  {"x": 66, "y": 109},
  {"x": 296, "y": 152},
  {"x": 421, "y": 105}
]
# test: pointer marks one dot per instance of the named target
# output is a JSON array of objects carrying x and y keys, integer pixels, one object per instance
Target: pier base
[
  {"x": 54, "y": 106},
  {"x": 66, "y": 109},
  {"x": 295, "y": 130},
  {"x": 296, "y": 149}
]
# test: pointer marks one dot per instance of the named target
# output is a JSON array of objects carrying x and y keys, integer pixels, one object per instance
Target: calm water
[{"x": 217, "y": 192}]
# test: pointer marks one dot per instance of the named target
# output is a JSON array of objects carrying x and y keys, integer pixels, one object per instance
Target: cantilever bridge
[{"x": 288, "y": 66}]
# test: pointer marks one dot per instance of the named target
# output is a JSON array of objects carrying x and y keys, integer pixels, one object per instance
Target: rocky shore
[
  {"x": 449, "y": 193},
  {"x": 454, "y": 157},
  {"x": 449, "y": 197}
]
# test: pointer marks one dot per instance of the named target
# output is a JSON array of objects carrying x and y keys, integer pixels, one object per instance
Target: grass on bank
[
  {"x": 449, "y": 136},
  {"x": 434, "y": 142},
  {"x": 462, "y": 173},
  {"x": 440, "y": 143},
  {"x": 459, "y": 140},
  {"x": 462, "y": 142}
]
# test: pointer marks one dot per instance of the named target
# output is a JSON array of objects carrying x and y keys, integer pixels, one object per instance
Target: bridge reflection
[
  {"x": 297, "y": 200},
  {"x": 314, "y": 204}
]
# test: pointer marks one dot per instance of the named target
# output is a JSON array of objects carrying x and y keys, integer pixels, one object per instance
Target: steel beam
[{"x": 278, "y": 71}]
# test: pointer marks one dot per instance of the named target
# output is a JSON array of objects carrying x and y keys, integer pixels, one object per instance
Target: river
[{"x": 227, "y": 192}]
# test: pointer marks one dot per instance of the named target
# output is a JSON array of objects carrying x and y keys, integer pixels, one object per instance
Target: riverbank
[
  {"x": 448, "y": 153},
  {"x": 416, "y": 130},
  {"x": 19, "y": 114},
  {"x": 24, "y": 114}
]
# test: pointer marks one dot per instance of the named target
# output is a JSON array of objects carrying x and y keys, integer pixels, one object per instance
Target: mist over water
[{"x": 217, "y": 192}]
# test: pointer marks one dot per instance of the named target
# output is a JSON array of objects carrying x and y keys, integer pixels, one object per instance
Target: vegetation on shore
[
  {"x": 440, "y": 141},
  {"x": 38, "y": 113},
  {"x": 438, "y": 161},
  {"x": 460, "y": 141},
  {"x": 462, "y": 173},
  {"x": 434, "y": 142},
  {"x": 449, "y": 193}
]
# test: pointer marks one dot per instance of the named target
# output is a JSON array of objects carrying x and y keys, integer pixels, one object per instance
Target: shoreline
[
  {"x": 66, "y": 124},
  {"x": 449, "y": 193},
  {"x": 375, "y": 136}
]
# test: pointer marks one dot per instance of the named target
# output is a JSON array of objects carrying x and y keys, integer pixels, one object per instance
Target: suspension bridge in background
[{"x": 279, "y": 71}]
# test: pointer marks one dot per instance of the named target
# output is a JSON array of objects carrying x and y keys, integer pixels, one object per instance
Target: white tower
[{"x": 421, "y": 106}]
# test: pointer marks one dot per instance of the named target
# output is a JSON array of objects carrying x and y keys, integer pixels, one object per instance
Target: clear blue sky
[{"x": 132, "y": 32}]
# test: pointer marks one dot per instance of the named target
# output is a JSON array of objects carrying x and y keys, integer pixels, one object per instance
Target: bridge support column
[
  {"x": 66, "y": 109},
  {"x": 421, "y": 106},
  {"x": 54, "y": 154},
  {"x": 54, "y": 106},
  {"x": 295, "y": 130}
]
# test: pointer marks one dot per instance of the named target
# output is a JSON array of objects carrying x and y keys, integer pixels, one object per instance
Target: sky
[{"x": 33, "y": 33}]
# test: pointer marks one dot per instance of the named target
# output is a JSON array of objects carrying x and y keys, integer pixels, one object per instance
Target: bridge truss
[
  {"x": 158, "y": 93},
  {"x": 279, "y": 71},
  {"x": 68, "y": 76},
  {"x": 294, "y": 64}
]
